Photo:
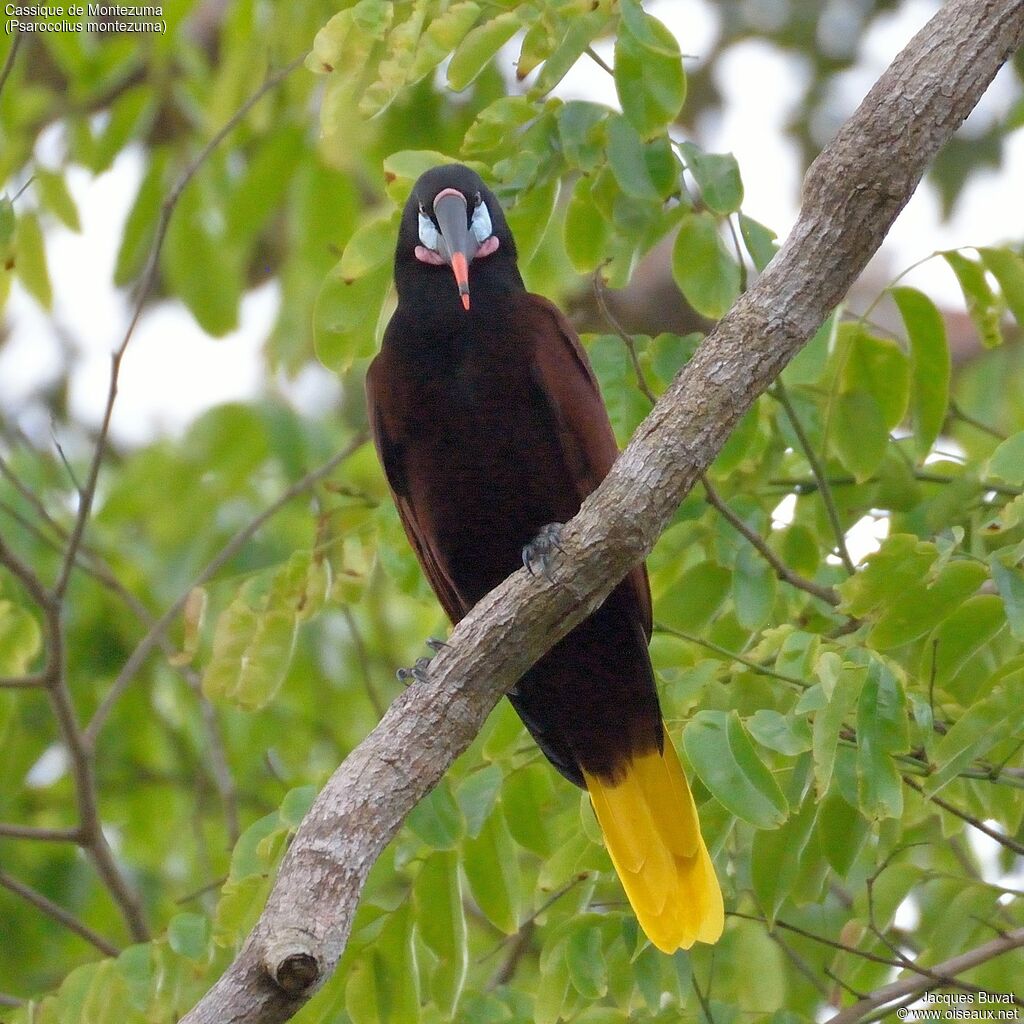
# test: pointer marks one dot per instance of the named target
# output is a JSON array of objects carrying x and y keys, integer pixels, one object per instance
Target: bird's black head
[{"x": 453, "y": 234}]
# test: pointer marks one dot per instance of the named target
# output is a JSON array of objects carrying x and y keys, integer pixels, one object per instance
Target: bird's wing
[
  {"x": 392, "y": 458},
  {"x": 565, "y": 377}
]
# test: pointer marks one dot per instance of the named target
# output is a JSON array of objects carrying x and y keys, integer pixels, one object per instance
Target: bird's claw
[
  {"x": 538, "y": 555},
  {"x": 418, "y": 672},
  {"x": 434, "y": 644}
]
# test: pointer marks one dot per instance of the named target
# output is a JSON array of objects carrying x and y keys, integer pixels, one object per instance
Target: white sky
[{"x": 173, "y": 371}]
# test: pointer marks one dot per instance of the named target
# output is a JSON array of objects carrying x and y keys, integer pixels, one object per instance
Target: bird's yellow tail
[{"x": 652, "y": 832}]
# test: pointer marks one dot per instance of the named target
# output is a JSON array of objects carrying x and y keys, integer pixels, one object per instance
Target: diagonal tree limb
[
  {"x": 852, "y": 194},
  {"x": 917, "y": 984}
]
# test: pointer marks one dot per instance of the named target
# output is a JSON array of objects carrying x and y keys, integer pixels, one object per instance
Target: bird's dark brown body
[{"x": 491, "y": 426}]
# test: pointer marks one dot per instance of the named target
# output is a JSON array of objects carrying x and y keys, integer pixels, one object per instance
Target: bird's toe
[{"x": 539, "y": 554}]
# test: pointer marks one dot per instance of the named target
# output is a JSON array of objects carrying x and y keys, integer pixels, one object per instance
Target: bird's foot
[
  {"x": 434, "y": 644},
  {"x": 539, "y": 554},
  {"x": 418, "y": 672}
]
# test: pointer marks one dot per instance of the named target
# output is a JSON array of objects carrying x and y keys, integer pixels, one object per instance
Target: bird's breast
[{"x": 485, "y": 463}]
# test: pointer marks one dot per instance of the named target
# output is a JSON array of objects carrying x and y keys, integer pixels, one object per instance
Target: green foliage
[{"x": 806, "y": 725}]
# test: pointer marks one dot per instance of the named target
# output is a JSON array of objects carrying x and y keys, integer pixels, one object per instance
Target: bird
[{"x": 491, "y": 430}]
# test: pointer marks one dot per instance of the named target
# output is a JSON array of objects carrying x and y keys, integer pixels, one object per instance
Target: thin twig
[
  {"x": 1004, "y": 840},
  {"x": 33, "y": 681},
  {"x": 12, "y": 53},
  {"x": 58, "y": 913},
  {"x": 805, "y": 486},
  {"x": 958, "y": 413},
  {"x": 364, "y": 662},
  {"x": 148, "y": 277},
  {"x": 226, "y": 553},
  {"x": 12, "y": 1001},
  {"x": 754, "y": 666},
  {"x": 782, "y": 571},
  {"x": 939, "y": 975},
  {"x": 824, "y": 940},
  {"x": 627, "y": 340},
  {"x": 781, "y": 395},
  {"x": 46, "y": 835}
]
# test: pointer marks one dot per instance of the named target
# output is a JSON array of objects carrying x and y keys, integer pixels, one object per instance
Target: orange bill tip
[{"x": 460, "y": 266}]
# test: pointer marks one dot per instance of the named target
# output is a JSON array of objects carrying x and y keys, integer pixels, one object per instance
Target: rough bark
[{"x": 852, "y": 194}]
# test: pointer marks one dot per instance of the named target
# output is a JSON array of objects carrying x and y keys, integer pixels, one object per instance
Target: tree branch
[
  {"x": 156, "y": 631},
  {"x": 781, "y": 570},
  {"x": 940, "y": 975},
  {"x": 852, "y": 194},
  {"x": 58, "y": 913},
  {"x": 170, "y": 203}
]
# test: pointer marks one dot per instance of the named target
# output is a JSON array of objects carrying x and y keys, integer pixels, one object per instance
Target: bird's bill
[{"x": 450, "y": 210}]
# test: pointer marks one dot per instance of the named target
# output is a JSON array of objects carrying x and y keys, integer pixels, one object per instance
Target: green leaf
[
  {"x": 918, "y": 608},
  {"x": 626, "y": 159},
  {"x": 477, "y": 794},
  {"x": 787, "y": 735},
  {"x": 1008, "y": 269},
  {"x": 436, "y": 819},
  {"x": 8, "y": 222},
  {"x": 724, "y": 758},
  {"x": 983, "y": 307},
  {"x": 345, "y": 314},
  {"x": 30, "y": 255},
  {"x": 876, "y": 367},
  {"x": 645, "y": 29},
  {"x": 478, "y": 47},
  {"x": 530, "y": 217},
  {"x": 1009, "y": 580},
  {"x": 583, "y": 957},
  {"x": 841, "y": 832},
  {"x": 20, "y": 639},
  {"x": 492, "y": 871},
  {"x": 754, "y": 586},
  {"x": 929, "y": 365},
  {"x": 829, "y": 720},
  {"x": 140, "y": 227},
  {"x": 705, "y": 272},
  {"x": 442, "y": 35},
  {"x": 694, "y": 598},
  {"x": 199, "y": 264},
  {"x": 585, "y": 232},
  {"x": 718, "y": 177},
  {"x": 775, "y": 859},
  {"x": 441, "y": 923},
  {"x": 580, "y": 31},
  {"x": 759, "y": 240},
  {"x": 956, "y": 641},
  {"x": 859, "y": 436},
  {"x": 650, "y": 81},
  {"x": 580, "y": 135},
  {"x": 401, "y": 170},
  {"x": 986, "y": 723},
  {"x": 497, "y": 123},
  {"x": 252, "y": 651},
  {"x": 900, "y": 562},
  {"x": 189, "y": 936},
  {"x": 371, "y": 244},
  {"x": 1007, "y": 461},
  {"x": 295, "y": 805},
  {"x": 881, "y": 732},
  {"x": 54, "y": 195}
]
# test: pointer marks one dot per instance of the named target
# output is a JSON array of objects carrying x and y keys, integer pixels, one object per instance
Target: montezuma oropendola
[{"x": 490, "y": 426}]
